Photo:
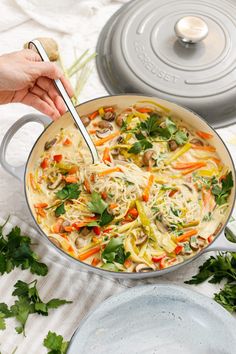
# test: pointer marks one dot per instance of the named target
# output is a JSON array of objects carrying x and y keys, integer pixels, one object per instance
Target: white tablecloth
[{"x": 17, "y": 27}]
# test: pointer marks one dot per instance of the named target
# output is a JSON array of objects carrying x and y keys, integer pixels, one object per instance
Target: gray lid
[{"x": 182, "y": 51}]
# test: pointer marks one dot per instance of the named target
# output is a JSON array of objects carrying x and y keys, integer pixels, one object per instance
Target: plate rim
[{"x": 196, "y": 297}]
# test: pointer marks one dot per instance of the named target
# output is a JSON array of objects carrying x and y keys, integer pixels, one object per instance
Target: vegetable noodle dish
[{"x": 159, "y": 194}]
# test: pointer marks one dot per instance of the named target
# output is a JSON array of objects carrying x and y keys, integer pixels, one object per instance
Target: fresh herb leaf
[
  {"x": 4, "y": 313},
  {"x": 29, "y": 302},
  {"x": 223, "y": 266},
  {"x": 106, "y": 218},
  {"x": 97, "y": 204},
  {"x": 114, "y": 251},
  {"x": 227, "y": 297},
  {"x": 139, "y": 136},
  {"x": 110, "y": 266},
  {"x": 60, "y": 210},
  {"x": 15, "y": 251},
  {"x": 181, "y": 137},
  {"x": 55, "y": 343},
  {"x": 139, "y": 146},
  {"x": 171, "y": 126},
  {"x": 222, "y": 192},
  {"x": 151, "y": 125},
  {"x": 70, "y": 191}
]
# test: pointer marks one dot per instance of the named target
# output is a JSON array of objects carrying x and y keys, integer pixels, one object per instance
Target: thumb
[{"x": 48, "y": 69}]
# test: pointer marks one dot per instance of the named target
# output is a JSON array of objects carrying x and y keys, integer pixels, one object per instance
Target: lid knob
[{"x": 191, "y": 29}]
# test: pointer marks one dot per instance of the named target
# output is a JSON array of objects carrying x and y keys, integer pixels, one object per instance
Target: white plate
[{"x": 156, "y": 319}]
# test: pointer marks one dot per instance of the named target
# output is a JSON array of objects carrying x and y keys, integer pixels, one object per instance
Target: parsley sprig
[
  {"x": 28, "y": 302},
  {"x": 70, "y": 191},
  {"x": 152, "y": 128},
  {"x": 216, "y": 269},
  {"x": 114, "y": 252},
  {"x": 98, "y": 206},
  {"x": 55, "y": 343},
  {"x": 15, "y": 251},
  {"x": 222, "y": 192}
]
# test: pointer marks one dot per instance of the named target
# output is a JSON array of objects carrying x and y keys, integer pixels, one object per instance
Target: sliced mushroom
[
  {"x": 103, "y": 124},
  {"x": 115, "y": 152},
  {"x": 194, "y": 243},
  {"x": 109, "y": 116},
  {"x": 142, "y": 268},
  {"x": 196, "y": 141},
  {"x": 141, "y": 239},
  {"x": 120, "y": 139},
  {"x": 85, "y": 120},
  {"x": 172, "y": 145},
  {"x": 148, "y": 158},
  {"x": 201, "y": 242},
  {"x": 102, "y": 133},
  {"x": 85, "y": 231},
  {"x": 49, "y": 144},
  {"x": 77, "y": 242},
  {"x": 63, "y": 225},
  {"x": 119, "y": 120},
  {"x": 187, "y": 249},
  {"x": 56, "y": 183},
  {"x": 55, "y": 241}
]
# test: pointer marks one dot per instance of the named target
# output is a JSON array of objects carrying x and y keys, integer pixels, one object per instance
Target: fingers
[
  {"x": 48, "y": 69},
  {"x": 36, "y": 90},
  {"x": 35, "y": 101}
]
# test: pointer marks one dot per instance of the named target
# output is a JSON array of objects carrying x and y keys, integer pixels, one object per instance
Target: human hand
[{"x": 26, "y": 79}]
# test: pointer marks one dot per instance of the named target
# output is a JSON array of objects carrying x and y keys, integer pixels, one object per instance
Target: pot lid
[{"x": 182, "y": 51}]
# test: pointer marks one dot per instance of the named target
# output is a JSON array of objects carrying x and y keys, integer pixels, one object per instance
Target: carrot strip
[
  {"x": 87, "y": 185},
  {"x": 92, "y": 131},
  {"x": 147, "y": 189},
  {"x": 41, "y": 205},
  {"x": 204, "y": 135},
  {"x": 32, "y": 181},
  {"x": 78, "y": 225},
  {"x": 172, "y": 193},
  {"x": 56, "y": 227},
  {"x": 89, "y": 253},
  {"x": 111, "y": 170},
  {"x": 106, "y": 139},
  {"x": 144, "y": 110},
  {"x": 204, "y": 148},
  {"x": 113, "y": 206},
  {"x": 109, "y": 109},
  {"x": 186, "y": 165},
  {"x": 186, "y": 235},
  {"x": 200, "y": 164},
  {"x": 206, "y": 195},
  {"x": 68, "y": 228},
  {"x": 95, "y": 262},
  {"x": 106, "y": 155},
  {"x": 71, "y": 179},
  {"x": 93, "y": 115},
  {"x": 41, "y": 212},
  {"x": 73, "y": 170},
  {"x": 67, "y": 142},
  {"x": 217, "y": 161}
]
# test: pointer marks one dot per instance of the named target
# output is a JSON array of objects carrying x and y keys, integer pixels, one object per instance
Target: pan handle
[
  {"x": 18, "y": 171},
  {"x": 222, "y": 243}
]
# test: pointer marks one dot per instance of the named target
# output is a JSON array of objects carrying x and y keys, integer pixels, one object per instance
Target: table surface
[{"x": 12, "y": 200}]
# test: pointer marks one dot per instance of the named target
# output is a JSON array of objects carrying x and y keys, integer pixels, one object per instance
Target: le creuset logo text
[{"x": 150, "y": 65}]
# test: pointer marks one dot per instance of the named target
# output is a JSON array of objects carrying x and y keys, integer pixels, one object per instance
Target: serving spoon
[{"x": 66, "y": 98}]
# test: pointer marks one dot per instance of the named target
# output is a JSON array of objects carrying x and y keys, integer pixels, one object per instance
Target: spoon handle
[{"x": 68, "y": 103}]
